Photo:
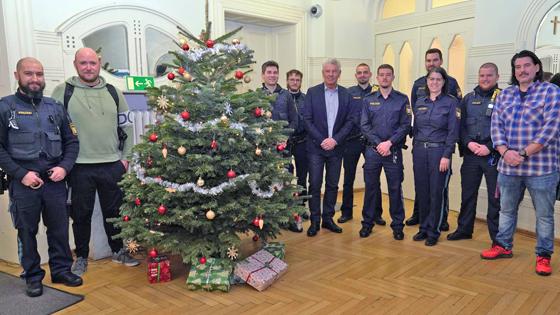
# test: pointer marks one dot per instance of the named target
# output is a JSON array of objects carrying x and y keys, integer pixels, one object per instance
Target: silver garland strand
[
  {"x": 198, "y": 53},
  {"x": 197, "y": 127}
]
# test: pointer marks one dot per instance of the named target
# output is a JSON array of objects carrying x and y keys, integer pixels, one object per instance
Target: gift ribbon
[
  {"x": 265, "y": 265},
  {"x": 209, "y": 272}
]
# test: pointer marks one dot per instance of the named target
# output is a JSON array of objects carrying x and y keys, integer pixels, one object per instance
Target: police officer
[
  {"x": 432, "y": 59},
  {"x": 298, "y": 138},
  {"x": 435, "y": 132},
  {"x": 385, "y": 122},
  {"x": 354, "y": 147},
  {"x": 479, "y": 155},
  {"x": 38, "y": 147},
  {"x": 283, "y": 107}
]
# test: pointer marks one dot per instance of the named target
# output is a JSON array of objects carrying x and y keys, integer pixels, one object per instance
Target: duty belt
[{"x": 427, "y": 144}]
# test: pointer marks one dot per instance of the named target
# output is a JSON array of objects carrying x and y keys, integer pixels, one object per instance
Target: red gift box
[{"x": 159, "y": 269}]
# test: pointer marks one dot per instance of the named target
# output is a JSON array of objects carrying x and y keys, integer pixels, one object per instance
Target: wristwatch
[{"x": 523, "y": 153}]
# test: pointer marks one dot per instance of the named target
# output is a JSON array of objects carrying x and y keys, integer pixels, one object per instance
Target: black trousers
[
  {"x": 471, "y": 175},
  {"x": 86, "y": 180},
  {"x": 352, "y": 151},
  {"x": 393, "y": 167},
  {"x": 26, "y": 206},
  {"x": 330, "y": 163}
]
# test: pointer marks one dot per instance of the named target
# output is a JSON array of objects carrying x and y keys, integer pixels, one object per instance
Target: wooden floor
[{"x": 342, "y": 273}]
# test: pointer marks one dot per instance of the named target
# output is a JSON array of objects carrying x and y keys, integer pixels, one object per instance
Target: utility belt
[{"x": 427, "y": 144}]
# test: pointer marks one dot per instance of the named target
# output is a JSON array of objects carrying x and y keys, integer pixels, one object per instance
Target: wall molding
[
  {"x": 529, "y": 23},
  {"x": 492, "y": 50}
]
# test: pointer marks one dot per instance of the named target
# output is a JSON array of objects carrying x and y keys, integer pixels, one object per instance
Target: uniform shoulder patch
[
  {"x": 458, "y": 113},
  {"x": 374, "y": 88},
  {"x": 73, "y": 128}
]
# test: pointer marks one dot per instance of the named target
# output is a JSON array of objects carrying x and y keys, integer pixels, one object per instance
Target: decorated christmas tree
[{"x": 213, "y": 166}]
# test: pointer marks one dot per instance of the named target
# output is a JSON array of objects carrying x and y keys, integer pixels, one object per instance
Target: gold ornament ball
[
  {"x": 268, "y": 114},
  {"x": 258, "y": 151},
  {"x": 236, "y": 41},
  {"x": 224, "y": 119},
  {"x": 182, "y": 150},
  {"x": 187, "y": 76},
  {"x": 247, "y": 79},
  {"x": 200, "y": 182},
  {"x": 210, "y": 215},
  {"x": 182, "y": 41}
]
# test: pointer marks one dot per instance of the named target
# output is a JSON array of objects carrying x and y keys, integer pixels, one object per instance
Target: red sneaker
[
  {"x": 496, "y": 252},
  {"x": 543, "y": 266}
]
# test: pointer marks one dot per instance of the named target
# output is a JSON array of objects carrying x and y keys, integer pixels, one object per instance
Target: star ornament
[
  {"x": 232, "y": 253},
  {"x": 132, "y": 247},
  {"x": 163, "y": 103}
]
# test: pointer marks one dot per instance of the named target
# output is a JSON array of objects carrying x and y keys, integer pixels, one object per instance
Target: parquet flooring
[{"x": 344, "y": 274}]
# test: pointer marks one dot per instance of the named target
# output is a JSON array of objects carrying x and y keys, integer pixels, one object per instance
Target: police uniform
[
  {"x": 297, "y": 142},
  {"x": 435, "y": 132},
  {"x": 353, "y": 147},
  {"x": 476, "y": 109},
  {"x": 37, "y": 135},
  {"x": 283, "y": 108},
  {"x": 420, "y": 90},
  {"x": 381, "y": 120}
]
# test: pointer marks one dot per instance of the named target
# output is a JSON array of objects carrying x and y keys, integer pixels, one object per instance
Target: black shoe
[
  {"x": 413, "y": 220},
  {"x": 331, "y": 226},
  {"x": 398, "y": 235},
  {"x": 430, "y": 241},
  {"x": 294, "y": 228},
  {"x": 313, "y": 229},
  {"x": 365, "y": 231},
  {"x": 305, "y": 216},
  {"x": 444, "y": 227},
  {"x": 455, "y": 236},
  {"x": 420, "y": 236},
  {"x": 380, "y": 221},
  {"x": 343, "y": 219},
  {"x": 68, "y": 279},
  {"x": 34, "y": 289}
]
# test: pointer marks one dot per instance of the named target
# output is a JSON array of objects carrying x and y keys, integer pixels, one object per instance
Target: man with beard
[
  {"x": 354, "y": 147},
  {"x": 38, "y": 148},
  {"x": 432, "y": 59},
  {"x": 99, "y": 111}
]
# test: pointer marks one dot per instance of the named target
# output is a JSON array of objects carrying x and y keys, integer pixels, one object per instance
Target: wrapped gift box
[
  {"x": 260, "y": 270},
  {"x": 159, "y": 269},
  {"x": 214, "y": 275},
  {"x": 277, "y": 249}
]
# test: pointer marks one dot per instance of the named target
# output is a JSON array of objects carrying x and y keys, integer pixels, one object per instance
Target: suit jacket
[{"x": 315, "y": 117}]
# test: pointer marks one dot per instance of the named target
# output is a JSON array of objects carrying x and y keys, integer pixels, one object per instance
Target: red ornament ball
[
  {"x": 185, "y": 115},
  {"x": 162, "y": 209},
  {"x": 153, "y": 253},
  {"x": 258, "y": 112},
  {"x": 202, "y": 260},
  {"x": 137, "y": 201},
  {"x": 255, "y": 238},
  {"x": 185, "y": 47},
  {"x": 171, "y": 76},
  {"x": 153, "y": 137},
  {"x": 210, "y": 43},
  {"x": 181, "y": 70},
  {"x": 214, "y": 144},
  {"x": 280, "y": 147},
  {"x": 239, "y": 74},
  {"x": 126, "y": 218},
  {"x": 256, "y": 221},
  {"x": 231, "y": 174}
]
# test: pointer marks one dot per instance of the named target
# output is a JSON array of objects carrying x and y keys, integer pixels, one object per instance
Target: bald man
[
  {"x": 100, "y": 113},
  {"x": 38, "y": 148}
]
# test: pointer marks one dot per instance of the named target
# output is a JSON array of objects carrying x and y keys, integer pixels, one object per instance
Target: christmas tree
[{"x": 213, "y": 166}]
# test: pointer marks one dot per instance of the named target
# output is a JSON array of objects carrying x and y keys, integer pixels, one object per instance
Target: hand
[
  {"x": 444, "y": 164},
  {"x": 58, "y": 174},
  {"x": 482, "y": 151},
  {"x": 32, "y": 179},
  {"x": 125, "y": 164},
  {"x": 328, "y": 144},
  {"x": 512, "y": 158},
  {"x": 473, "y": 146},
  {"x": 384, "y": 148}
]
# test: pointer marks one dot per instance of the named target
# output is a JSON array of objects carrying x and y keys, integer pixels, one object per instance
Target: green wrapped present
[
  {"x": 214, "y": 275},
  {"x": 278, "y": 249}
]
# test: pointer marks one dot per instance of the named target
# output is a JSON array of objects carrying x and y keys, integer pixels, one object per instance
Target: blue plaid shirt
[{"x": 517, "y": 123}]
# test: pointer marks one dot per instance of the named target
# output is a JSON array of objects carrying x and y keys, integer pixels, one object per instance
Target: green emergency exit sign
[{"x": 134, "y": 83}]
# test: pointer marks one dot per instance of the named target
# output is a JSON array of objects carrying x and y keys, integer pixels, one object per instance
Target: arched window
[
  {"x": 111, "y": 44},
  {"x": 441, "y": 3},
  {"x": 436, "y": 43},
  {"x": 389, "y": 56},
  {"x": 393, "y": 8},
  {"x": 405, "y": 68},
  {"x": 457, "y": 58}
]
